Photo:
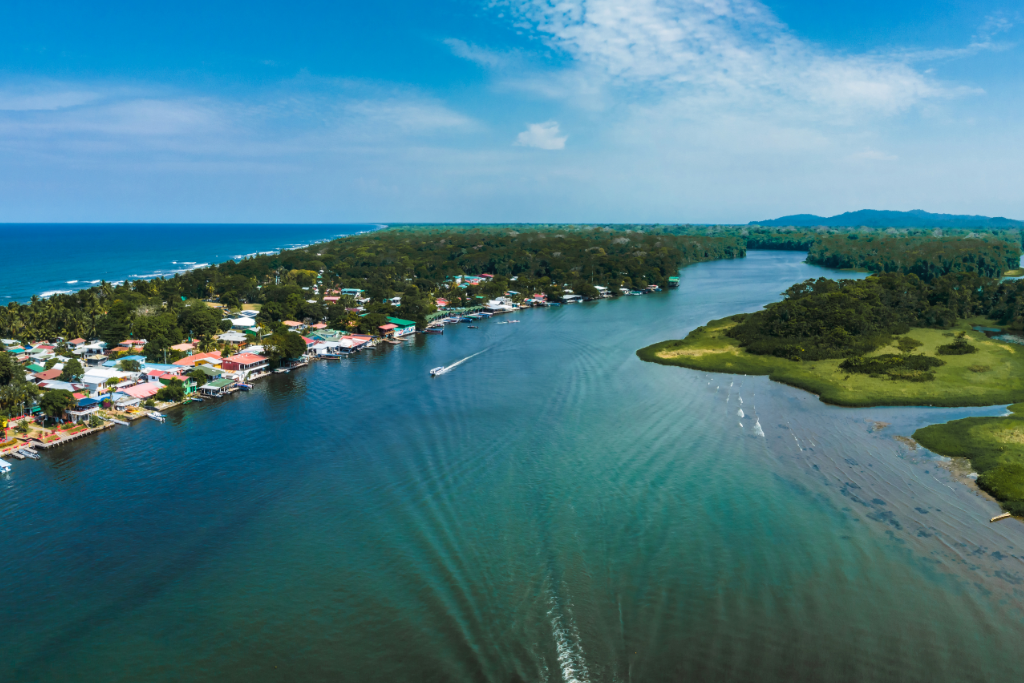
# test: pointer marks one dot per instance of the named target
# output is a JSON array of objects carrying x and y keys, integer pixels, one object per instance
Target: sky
[{"x": 647, "y": 111}]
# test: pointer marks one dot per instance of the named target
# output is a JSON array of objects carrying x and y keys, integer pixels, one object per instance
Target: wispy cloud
[
  {"x": 542, "y": 136},
  {"x": 730, "y": 51}
]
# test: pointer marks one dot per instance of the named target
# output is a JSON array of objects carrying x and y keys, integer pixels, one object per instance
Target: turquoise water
[
  {"x": 551, "y": 510},
  {"x": 44, "y": 259}
]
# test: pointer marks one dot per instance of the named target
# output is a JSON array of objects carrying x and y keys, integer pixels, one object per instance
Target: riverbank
[
  {"x": 993, "y": 445},
  {"x": 993, "y": 375}
]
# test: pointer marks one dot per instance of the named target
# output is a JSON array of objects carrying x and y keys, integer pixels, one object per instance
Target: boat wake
[
  {"x": 571, "y": 661},
  {"x": 448, "y": 368}
]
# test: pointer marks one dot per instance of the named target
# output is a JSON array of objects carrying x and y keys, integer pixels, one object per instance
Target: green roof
[
  {"x": 400, "y": 322},
  {"x": 212, "y": 372},
  {"x": 35, "y": 368},
  {"x": 674, "y": 278},
  {"x": 221, "y": 383}
]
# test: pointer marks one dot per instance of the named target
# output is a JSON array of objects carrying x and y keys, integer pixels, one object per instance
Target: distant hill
[{"x": 892, "y": 219}]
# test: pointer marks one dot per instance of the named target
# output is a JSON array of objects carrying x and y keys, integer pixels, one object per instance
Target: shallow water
[{"x": 553, "y": 509}]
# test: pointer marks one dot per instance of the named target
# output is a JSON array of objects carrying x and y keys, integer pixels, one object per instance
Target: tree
[
  {"x": 907, "y": 344},
  {"x": 199, "y": 376},
  {"x": 50, "y": 363},
  {"x": 72, "y": 371},
  {"x": 281, "y": 345},
  {"x": 174, "y": 392},
  {"x": 129, "y": 365},
  {"x": 55, "y": 402}
]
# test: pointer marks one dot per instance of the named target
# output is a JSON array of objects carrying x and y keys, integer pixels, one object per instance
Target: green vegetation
[
  {"x": 417, "y": 265},
  {"x": 994, "y": 375},
  {"x": 54, "y": 403},
  {"x": 835, "y": 339},
  {"x": 995, "y": 447},
  {"x": 72, "y": 371},
  {"x": 960, "y": 347},
  {"x": 173, "y": 392},
  {"x": 926, "y": 257}
]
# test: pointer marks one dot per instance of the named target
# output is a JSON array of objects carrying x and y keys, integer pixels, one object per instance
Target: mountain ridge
[{"x": 872, "y": 218}]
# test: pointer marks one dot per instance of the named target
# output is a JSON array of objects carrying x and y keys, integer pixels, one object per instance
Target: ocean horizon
[{"x": 58, "y": 258}]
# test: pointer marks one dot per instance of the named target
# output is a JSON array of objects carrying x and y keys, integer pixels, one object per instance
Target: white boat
[
  {"x": 156, "y": 416},
  {"x": 5, "y": 466},
  {"x": 438, "y": 371},
  {"x": 28, "y": 453}
]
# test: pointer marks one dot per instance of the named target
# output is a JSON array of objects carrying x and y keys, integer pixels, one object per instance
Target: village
[{"x": 117, "y": 385}]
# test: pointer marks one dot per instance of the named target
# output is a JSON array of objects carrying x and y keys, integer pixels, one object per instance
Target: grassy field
[
  {"x": 993, "y": 375},
  {"x": 995, "y": 447}
]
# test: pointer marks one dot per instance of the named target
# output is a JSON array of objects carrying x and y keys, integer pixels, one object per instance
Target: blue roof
[
  {"x": 113, "y": 363},
  {"x": 86, "y": 402}
]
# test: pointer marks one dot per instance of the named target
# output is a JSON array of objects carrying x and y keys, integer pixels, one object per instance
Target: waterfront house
[
  {"x": 245, "y": 363},
  {"x": 388, "y": 331},
  {"x": 217, "y": 388},
  {"x": 95, "y": 379},
  {"x": 673, "y": 281},
  {"x": 402, "y": 327}
]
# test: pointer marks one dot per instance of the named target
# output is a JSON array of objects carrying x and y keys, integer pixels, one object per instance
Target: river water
[{"x": 551, "y": 510}]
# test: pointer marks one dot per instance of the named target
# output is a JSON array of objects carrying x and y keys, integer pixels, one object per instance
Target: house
[
  {"x": 500, "y": 305},
  {"x": 395, "y": 301},
  {"x": 318, "y": 326},
  {"x": 185, "y": 347},
  {"x": 142, "y": 391},
  {"x": 217, "y": 387},
  {"x": 673, "y": 281},
  {"x": 402, "y": 327},
  {"x": 388, "y": 330},
  {"x": 52, "y": 373},
  {"x": 441, "y": 303},
  {"x": 211, "y": 358},
  {"x": 292, "y": 325},
  {"x": 233, "y": 337},
  {"x": 132, "y": 344},
  {"x": 75, "y": 344},
  {"x": 349, "y": 291},
  {"x": 332, "y": 299},
  {"x": 95, "y": 379},
  {"x": 245, "y": 363}
]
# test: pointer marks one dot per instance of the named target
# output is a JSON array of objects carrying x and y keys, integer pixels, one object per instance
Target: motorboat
[{"x": 438, "y": 371}]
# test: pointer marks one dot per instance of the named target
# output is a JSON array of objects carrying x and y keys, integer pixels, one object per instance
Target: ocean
[
  {"x": 553, "y": 509},
  {"x": 45, "y": 259}
]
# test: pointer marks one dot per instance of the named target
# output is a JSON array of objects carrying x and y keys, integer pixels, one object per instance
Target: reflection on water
[{"x": 556, "y": 510}]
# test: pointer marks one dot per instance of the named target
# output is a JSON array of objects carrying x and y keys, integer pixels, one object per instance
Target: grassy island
[
  {"x": 992, "y": 375},
  {"x": 995, "y": 448},
  {"x": 890, "y": 339}
]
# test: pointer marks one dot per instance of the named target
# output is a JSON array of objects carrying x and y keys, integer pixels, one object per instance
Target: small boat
[
  {"x": 281, "y": 371},
  {"x": 5, "y": 466},
  {"x": 438, "y": 371},
  {"x": 156, "y": 416},
  {"x": 473, "y": 327},
  {"x": 512, "y": 321},
  {"x": 999, "y": 517},
  {"x": 244, "y": 387},
  {"x": 28, "y": 453}
]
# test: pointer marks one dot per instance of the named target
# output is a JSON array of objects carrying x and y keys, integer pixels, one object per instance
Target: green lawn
[
  {"x": 995, "y": 447},
  {"x": 993, "y": 375}
]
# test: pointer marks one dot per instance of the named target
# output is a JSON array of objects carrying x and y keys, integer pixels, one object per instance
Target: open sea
[
  {"x": 551, "y": 510},
  {"x": 45, "y": 259}
]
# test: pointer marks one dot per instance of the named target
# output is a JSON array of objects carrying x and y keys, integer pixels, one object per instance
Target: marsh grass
[{"x": 993, "y": 375}]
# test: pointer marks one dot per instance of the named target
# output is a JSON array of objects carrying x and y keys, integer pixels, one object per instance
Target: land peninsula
[{"x": 891, "y": 339}]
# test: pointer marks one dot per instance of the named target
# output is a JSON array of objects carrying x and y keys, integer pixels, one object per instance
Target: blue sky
[{"x": 508, "y": 110}]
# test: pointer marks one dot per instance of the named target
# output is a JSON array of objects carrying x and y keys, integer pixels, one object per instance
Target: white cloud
[
  {"x": 475, "y": 53},
  {"x": 44, "y": 98},
  {"x": 542, "y": 136},
  {"x": 734, "y": 51}
]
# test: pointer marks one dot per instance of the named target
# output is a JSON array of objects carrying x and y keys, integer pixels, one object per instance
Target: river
[{"x": 553, "y": 509}]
